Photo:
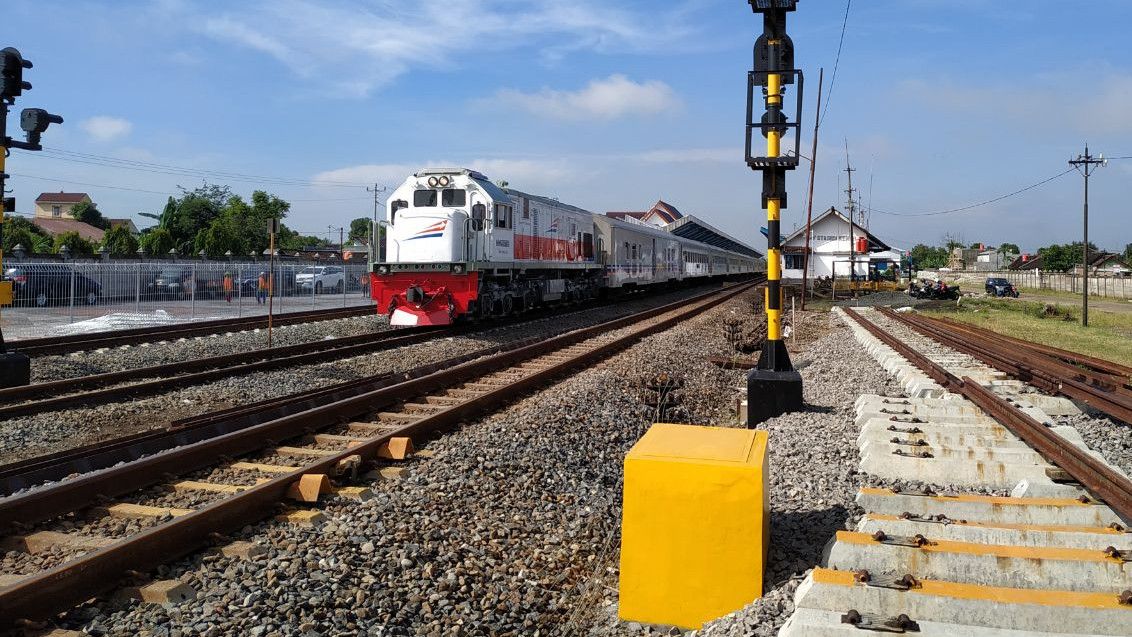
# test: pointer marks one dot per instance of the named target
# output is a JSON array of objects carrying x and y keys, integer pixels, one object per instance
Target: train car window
[
  {"x": 588, "y": 245},
  {"x": 397, "y": 205},
  {"x": 526, "y": 208},
  {"x": 424, "y": 199},
  {"x": 453, "y": 197}
]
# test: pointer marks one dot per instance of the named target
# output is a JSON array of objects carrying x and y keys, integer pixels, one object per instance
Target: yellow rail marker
[{"x": 694, "y": 527}]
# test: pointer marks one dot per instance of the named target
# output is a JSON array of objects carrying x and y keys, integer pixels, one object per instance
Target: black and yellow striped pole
[{"x": 773, "y": 387}]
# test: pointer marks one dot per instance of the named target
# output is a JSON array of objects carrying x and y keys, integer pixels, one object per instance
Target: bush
[{"x": 78, "y": 246}]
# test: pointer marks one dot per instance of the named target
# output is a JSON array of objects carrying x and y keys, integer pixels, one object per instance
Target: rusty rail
[
  {"x": 61, "y": 587},
  {"x": 1050, "y": 374},
  {"x": 1114, "y": 489}
]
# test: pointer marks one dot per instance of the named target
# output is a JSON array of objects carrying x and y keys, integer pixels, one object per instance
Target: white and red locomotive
[{"x": 459, "y": 245}]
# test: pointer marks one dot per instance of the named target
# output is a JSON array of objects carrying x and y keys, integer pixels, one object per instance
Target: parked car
[
  {"x": 44, "y": 284},
  {"x": 1001, "y": 287},
  {"x": 285, "y": 284},
  {"x": 171, "y": 282},
  {"x": 321, "y": 278}
]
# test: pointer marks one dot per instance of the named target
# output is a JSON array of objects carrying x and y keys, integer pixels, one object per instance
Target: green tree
[
  {"x": 360, "y": 229},
  {"x": 21, "y": 231},
  {"x": 120, "y": 242},
  {"x": 78, "y": 246},
  {"x": 1128, "y": 252},
  {"x": 157, "y": 242},
  {"x": 1009, "y": 248},
  {"x": 88, "y": 212},
  {"x": 928, "y": 257}
]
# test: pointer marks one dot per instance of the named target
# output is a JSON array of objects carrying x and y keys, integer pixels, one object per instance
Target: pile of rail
[
  {"x": 335, "y": 437},
  {"x": 1053, "y": 558},
  {"x": 1103, "y": 385}
]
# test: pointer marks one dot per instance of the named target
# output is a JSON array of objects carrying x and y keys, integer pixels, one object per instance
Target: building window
[
  {"x": 56, "y": 211},
  {"x": 794, "y": 261}
]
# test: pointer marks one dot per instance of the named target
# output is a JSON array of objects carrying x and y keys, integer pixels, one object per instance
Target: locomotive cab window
[
  {"x": 424, "y": 199},
  {"x": 452, "y": 197}
]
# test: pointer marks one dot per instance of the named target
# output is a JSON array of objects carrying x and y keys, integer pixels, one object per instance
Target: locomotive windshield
[
  {"x": 453, "y": 198},
  {"x": 424, "y": 199}
]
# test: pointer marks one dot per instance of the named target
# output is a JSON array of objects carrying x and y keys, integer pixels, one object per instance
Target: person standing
[
  {"x": 261, "y": 288},
  {"x": 228, "y": 286}
]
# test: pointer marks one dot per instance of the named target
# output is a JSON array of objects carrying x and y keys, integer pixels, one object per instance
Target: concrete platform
[{"x": 968, "y": 605}]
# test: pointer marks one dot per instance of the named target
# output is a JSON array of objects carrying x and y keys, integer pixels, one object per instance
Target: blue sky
[{"x": 606, "y": 105}]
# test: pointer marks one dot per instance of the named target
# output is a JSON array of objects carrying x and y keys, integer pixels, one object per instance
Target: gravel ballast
[
  {"x": 512, "y": 526},
  {"x": 43, "y": 433}
]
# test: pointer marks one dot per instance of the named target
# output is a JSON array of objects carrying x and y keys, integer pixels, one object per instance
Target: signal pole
[
  {"x": 852, "y": 210},
  {"x": 15, "y": 368},
  {"x": 1086, "y": 164},
  {"x": 774, "y": 387}
]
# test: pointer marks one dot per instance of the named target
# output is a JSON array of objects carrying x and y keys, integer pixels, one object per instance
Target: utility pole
[
  {"x": 774, "y": 387},
  {"x": 1086, "y": 164},
  {"x": 852, "y": 210},
  {"x": 377, "y": 252},
  {"x": 810, "y": 206}
]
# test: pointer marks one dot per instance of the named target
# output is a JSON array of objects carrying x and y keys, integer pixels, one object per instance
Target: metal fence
[
  {"x": 1103, "y": 285},
  {"x": 60, "y": 298}
]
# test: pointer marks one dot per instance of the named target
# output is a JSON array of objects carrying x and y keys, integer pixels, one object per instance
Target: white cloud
[
  {"x": 103, "y": 128},
  {"x": 611, "y": 98},
  {"x": 357, "y": 46},
  {"x": 524, "y": 173}
]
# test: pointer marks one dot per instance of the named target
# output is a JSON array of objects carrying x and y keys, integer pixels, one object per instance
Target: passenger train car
[{"x": 458, "y": 245}]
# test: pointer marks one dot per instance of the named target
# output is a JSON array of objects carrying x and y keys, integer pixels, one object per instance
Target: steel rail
[
  {"x": 199, "y": 371},
  {"x": 75, "y": 343},
  {"x": 1099, "y": 479},
  {"x": 1048, "y": 374},
  {"x": 1121, "y": 374},
  {"x": 49, "y": 592}
]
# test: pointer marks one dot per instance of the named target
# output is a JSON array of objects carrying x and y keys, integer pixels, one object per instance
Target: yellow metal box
[
  {"x": 5, "y": 293},
  {"x": 695, "y": 524}
]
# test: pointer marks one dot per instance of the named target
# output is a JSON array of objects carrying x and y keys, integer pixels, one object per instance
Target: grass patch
[
  {"x": 1069, "y": 297},
  {"x": 1108, "y": 336}
]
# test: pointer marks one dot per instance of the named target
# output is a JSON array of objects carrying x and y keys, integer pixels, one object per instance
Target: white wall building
[{"x": 833, "y": 242}]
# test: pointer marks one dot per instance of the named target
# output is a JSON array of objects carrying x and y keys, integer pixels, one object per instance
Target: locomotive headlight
[
  {"x": 458, "y": 269},
  {"x": 433, "y": 182},
  {"x": 383, "y": 269},
  {"x": 444, "y": 181}
]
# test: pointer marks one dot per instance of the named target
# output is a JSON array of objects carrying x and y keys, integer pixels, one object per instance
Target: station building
[
  {"x": 667, "y": 217},
  {"x": 834, "y": 243}
]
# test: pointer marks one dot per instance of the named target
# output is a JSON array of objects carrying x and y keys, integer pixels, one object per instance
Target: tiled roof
[
  {"x": 62, "y": 197},
  {"x": 59, "y": 226}
]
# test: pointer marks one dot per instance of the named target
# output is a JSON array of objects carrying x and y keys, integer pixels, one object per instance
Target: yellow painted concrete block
[{"x": 695, "y": 524}]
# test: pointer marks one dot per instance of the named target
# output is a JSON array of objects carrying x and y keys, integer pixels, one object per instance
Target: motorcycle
[{"x": 933, "y": 291}]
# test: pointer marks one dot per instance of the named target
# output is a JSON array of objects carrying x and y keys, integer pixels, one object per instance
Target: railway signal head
[
  {"x": 763, "y": 6},
  {"x": 36, "y": 120},
  {"x": 12, "y": 66}
]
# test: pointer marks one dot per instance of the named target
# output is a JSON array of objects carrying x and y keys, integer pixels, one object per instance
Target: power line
[
  {"x": 975, "y": 205},
  {"x": 162, "y": 192},
  {"x": 181, "y": 171},
  {"x": 837, "y": 62}
]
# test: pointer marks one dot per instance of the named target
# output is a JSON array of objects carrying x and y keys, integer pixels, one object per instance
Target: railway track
[
  {"x": 147, "y": 381},
  {"x": 239, "y": 477},
  {"x": 1103, "y": 385},
  {"x": 83, "y": 342},
  {"x": 1054, "y": 557}
]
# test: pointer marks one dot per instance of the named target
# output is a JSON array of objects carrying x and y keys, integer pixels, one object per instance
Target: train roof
[
  {"x": 547, "y": 201},
  {"x": 691, "y": 227},
  {"x": 663, "y": 232}
]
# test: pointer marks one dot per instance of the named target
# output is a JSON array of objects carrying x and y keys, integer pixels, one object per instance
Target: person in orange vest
[
  {"x": 228, "y": 286},
  {"x": 261, "y": 288}
]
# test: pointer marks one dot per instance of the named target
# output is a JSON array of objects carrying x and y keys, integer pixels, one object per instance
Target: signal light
[
  {"x": 12, "y": 65},
  {"x": 36, "y": 120}
]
